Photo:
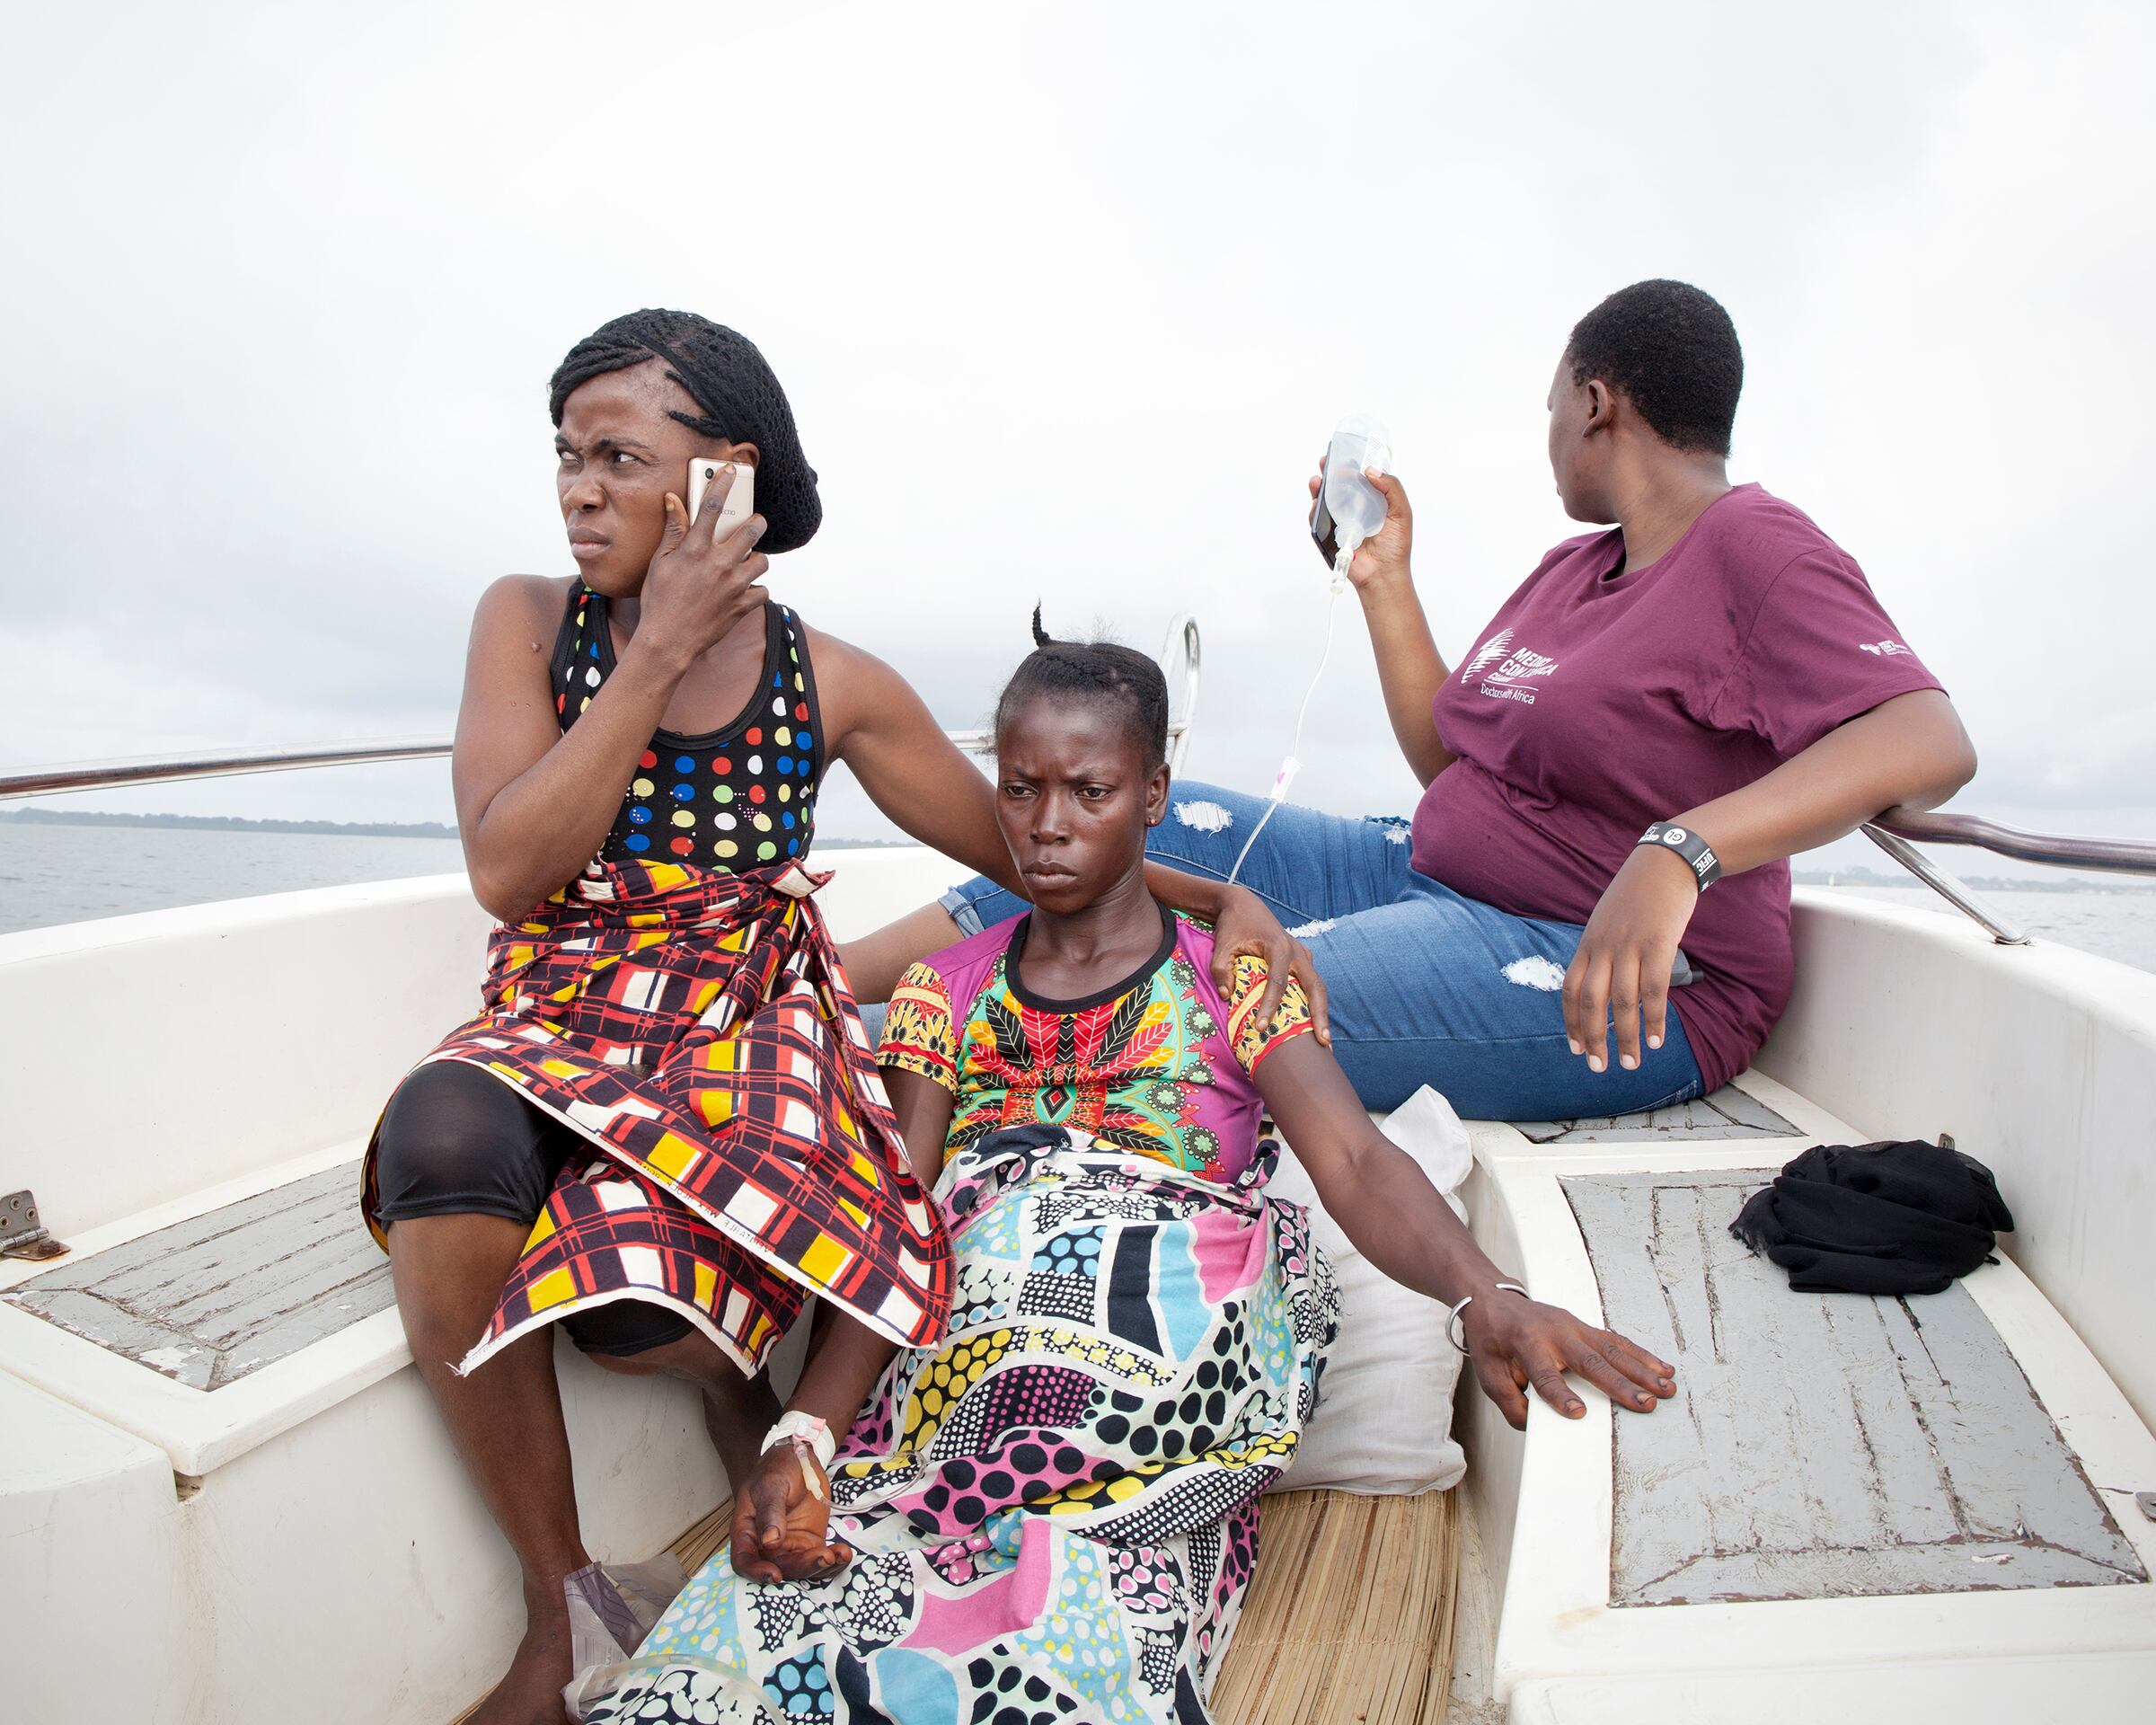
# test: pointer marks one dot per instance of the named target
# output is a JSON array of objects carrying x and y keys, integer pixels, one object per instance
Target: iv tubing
[{"x": 1289, "y": 767}]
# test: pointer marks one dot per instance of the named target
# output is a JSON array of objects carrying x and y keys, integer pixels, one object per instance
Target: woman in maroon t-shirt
[{"x": 1712, "y": 669}]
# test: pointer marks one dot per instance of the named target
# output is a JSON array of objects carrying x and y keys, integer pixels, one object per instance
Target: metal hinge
[{"x": 22, "y": 1235}]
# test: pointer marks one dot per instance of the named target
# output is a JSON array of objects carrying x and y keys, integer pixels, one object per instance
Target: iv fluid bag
[{"x": 1357, "y": 508}]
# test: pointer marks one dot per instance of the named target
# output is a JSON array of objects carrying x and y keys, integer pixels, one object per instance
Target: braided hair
[
  {"x": 1097, "y": 671},
  {"x": 737, "y": 391}
]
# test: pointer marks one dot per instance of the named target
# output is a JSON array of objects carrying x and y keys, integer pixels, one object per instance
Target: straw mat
[
  {"x": 1350, "y": 1617},
  {"x": 1349, "y": 1620}
]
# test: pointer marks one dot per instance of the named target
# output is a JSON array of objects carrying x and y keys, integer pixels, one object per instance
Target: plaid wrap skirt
[{"x": 695, "y": 1027}]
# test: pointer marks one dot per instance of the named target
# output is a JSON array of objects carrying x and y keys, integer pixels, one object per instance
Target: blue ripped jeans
[{"x": 1425, "y": 986}]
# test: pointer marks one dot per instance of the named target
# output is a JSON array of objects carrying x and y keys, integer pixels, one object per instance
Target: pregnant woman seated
[{"x": 1053, "y": 1512}]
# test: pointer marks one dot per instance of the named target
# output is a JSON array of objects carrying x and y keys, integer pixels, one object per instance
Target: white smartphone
[{"x": 739, "y": 503}]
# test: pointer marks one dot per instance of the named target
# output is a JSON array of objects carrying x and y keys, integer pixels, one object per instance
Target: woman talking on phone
[
  {"x": 1594, "y": 892},
  {"x": 665, "y": 1130}
]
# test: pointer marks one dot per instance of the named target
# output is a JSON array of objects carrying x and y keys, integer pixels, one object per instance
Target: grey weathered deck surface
[
  {"x": 1820, "y": 1446},
  {"x": 209, "y": 1300},
  {"x": 1728, "y": 1114}
]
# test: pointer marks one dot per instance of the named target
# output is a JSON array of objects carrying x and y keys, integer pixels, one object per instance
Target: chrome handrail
[
  {"x": 2112, "y": 855},
  {"x": 1994, "y": 922},
  {"x": 150, "y": 769},
  {"x": 1893, "y": 830},
  {"x": 104, "y": 776}
]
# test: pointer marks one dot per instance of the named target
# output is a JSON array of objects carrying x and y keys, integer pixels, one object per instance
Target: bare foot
[
  {"x": 736, "y": 1418},
  {"x": 530, "y": 1692}
]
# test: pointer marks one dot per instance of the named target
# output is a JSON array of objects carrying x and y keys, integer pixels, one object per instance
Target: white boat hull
[{"x": 301, "y": 1542}]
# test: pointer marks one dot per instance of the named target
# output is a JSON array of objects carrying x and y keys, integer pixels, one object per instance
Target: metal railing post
[
  {"x": 1182, "y": 632},
  {"x": 2000, "y": 926},
  {"x": 1893, "y": 830}
]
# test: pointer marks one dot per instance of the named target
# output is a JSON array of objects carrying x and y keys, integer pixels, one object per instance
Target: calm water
[
  {"x": 67, "y": 874},
  {"x": 2120, "y": 925}
]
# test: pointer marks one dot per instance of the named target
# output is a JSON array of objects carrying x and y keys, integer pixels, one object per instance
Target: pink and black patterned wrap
[{"x": 1054, "y": 1511}]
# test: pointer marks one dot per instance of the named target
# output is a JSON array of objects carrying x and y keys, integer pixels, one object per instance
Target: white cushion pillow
[{"x": 1384, "y": 1419}]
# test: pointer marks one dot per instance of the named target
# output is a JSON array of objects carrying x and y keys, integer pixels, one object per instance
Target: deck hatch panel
[
  {"x": 208, "y": 1300},
  {"x": 1820, "y": 1446}
]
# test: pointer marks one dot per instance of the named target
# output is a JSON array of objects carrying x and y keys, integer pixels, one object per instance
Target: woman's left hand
[
  {"x": 782, "y": 1527},
  {"x": 1515, "y": 1343},
  {"x": 1245, "y": 927},
  {"x": 1626, "y": 955}
]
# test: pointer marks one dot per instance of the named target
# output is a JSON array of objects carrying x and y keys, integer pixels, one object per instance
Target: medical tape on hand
[{"x": 810, "y": 1436}]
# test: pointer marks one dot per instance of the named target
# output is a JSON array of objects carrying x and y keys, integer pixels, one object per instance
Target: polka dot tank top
[{"x": 741, "y": 797}]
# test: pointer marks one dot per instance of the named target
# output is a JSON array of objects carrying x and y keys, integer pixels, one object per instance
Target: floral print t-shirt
[{"x": 1159, "y": 1064}]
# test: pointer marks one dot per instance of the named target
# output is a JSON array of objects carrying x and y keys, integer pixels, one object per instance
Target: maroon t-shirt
[{"x": 1594, "y": 705}]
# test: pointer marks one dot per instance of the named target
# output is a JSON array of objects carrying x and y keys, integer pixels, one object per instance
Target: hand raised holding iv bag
[
  {"x": 1366, "y": 520},
  {"x": 1360, "y": 524},
  {"x": 1357, "y": 507}
]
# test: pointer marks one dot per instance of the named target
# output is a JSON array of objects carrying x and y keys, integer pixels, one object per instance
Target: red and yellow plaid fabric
[{"x": 696, "y": 1027}]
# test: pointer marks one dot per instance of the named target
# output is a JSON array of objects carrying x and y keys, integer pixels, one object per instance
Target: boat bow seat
[
  {"x": 247, "y": 1340},
  {"x": 207, "y": 1301},
  {"x": 1946, "y": 1477},
  {"x": 2012, "y": 1691},
  {"x": 223, "y": 1309}
]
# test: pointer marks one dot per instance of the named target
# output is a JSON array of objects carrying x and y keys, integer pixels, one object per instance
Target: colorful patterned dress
[{"x": 1056, "y": 1511}]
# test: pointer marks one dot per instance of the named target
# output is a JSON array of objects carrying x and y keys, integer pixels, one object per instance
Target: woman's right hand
[
  {"x": 781, "y": 1528},
  {"x": 700, "y": 582},
  {"x": 1382, "y": 558},
  {"x": 1517, "y": 1343}
]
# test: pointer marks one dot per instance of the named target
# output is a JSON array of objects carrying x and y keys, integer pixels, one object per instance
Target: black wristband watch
[{"x": 1706, "y": 867}]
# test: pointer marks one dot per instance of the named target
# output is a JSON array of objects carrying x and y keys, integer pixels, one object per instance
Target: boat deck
[{"x": 1822, "y": 1450}]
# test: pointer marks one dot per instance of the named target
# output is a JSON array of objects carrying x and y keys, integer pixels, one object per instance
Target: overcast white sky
[{"x": 1068, "y": 300}]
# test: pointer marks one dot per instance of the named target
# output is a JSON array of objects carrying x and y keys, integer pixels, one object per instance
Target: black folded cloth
[{"x": 1897, "y": 1217}]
